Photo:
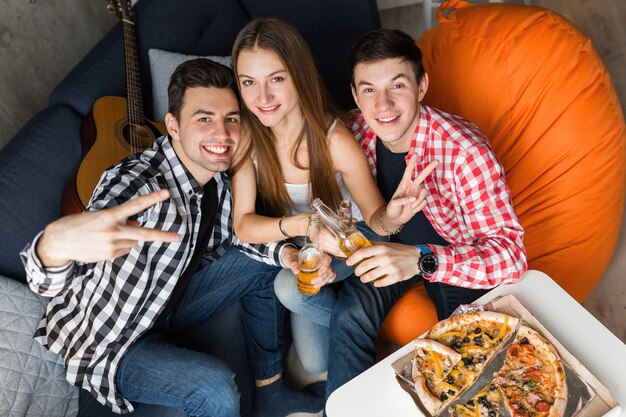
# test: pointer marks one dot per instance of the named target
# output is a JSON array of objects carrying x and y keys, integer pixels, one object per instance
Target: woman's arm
[
  {"x": 349, "y": 159},
  {"x": 251, "y": 227}
]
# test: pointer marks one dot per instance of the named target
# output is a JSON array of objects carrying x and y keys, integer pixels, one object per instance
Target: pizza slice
[
  {"x": 433, "y": 360},
  {"x": 436, "y": 397},
  {"x": 485, "y": 403},
  {"x": 532, "y": 380}
]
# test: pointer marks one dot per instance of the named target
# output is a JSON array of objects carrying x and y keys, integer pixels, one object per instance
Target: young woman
[{"x": 295, "y": 148}]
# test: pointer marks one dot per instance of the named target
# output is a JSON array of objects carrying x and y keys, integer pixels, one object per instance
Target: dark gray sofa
[{"x": 42, "y": 158}]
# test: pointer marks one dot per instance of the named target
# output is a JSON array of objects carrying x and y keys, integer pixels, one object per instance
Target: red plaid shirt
[{"x": 468, "y": 201}]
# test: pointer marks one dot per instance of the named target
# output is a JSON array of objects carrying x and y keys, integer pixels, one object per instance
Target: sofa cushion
[
  {"x": 190, "y": 27},
  {"x": 35, "y": 167},
  {"x": 162, "y": 65},
  {"x": 32, "y": 379}
]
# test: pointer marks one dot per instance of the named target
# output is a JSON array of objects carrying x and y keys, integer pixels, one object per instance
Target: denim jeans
[
  {"x": 359, "y": 312},
  {"x": 310, "y": 316},
  {"x": 157, "y": 371}
]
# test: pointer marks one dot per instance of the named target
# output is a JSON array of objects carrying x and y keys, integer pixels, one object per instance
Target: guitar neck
[{"x": 133, "y": 82}]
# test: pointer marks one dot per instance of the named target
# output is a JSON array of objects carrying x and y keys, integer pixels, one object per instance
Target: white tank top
[{"x": 300, "y": 194}]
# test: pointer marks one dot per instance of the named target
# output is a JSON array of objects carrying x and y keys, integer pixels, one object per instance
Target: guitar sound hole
[{"x": 136, "y": 138}]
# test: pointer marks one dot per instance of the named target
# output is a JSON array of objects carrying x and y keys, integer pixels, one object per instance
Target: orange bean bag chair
[{"x": 534, "y": 84}]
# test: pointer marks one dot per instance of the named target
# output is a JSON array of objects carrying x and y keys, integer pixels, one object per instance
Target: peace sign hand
[
  {"x": 409, "y": 198},
  {"x": 99, "y": 235}
]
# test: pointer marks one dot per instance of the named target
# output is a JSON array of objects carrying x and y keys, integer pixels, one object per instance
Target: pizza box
[{"x": 600, "y": 402}]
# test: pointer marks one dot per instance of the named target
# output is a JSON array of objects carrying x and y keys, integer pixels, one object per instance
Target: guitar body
[
  {"x": 112, "y": 138},
  {"x": 116, "y": 126}
]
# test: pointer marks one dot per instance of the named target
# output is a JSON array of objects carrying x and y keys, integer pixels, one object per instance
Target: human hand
[
  {"x": 329, "y": 243},
  {"x": 385, "y": 263},
  {"x": 99, "y": 235},
  {"x": 289, "y": 258},
  {"x": 409, "y": 198},
  {"x": 325, "y": 274}
]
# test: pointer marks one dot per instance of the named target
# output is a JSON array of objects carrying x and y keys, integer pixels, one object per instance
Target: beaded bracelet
[
  {"x": 282, "y": 230},
  {"x": 380, "y": 220}
]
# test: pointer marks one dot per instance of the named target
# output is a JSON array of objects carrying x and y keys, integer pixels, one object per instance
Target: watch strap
[{"x": 424, "y": 249}]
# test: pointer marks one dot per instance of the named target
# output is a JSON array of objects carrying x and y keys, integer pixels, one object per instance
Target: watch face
[{"x": 428, "y": 264}]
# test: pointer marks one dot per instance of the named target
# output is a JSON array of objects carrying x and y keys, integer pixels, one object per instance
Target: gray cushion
[
  {"x": 162, "y": 65},
  {"x": 32, "y": 379}
]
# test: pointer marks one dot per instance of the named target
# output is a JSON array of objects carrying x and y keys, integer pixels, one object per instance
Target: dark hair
[
  {"x": 283, "y": 39},
  {"x": 199, "y": 72},
  {"x": 381, "y": 44}
]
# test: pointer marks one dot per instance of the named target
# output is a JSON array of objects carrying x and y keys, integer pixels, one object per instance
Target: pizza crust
[
  {"x": 468, "y": 319},
  {"x": 431, "y": 403},
  {"x": 451, "y": 357}
]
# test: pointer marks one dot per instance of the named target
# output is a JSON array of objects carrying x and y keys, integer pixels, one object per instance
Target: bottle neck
[
  {"x": 313, "y": 231},
  {"x": 330, "y": 219}
]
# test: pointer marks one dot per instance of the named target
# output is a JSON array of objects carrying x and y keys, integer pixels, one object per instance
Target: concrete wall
[{"x": 39, "y": 43}]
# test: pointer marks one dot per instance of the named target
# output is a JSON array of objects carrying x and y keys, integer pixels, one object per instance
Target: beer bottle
[
  {"x": 345, "y": 212},
  {"x": 310, "y": 257},
  {"x": 350, "y": 239}
]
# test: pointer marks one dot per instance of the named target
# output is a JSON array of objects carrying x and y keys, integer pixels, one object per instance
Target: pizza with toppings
[
  {"x": 485, "y": 403},
  {"x": 477, "y": 337},
  {"x": 433, "y": 361},
  {"x": 532, "y": 379}
]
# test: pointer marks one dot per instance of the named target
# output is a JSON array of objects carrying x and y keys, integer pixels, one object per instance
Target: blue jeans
[
  {"x": 157, "y": 371},
  {"x": 310, "y": 316},
  {"x": 359, "y": 312}
]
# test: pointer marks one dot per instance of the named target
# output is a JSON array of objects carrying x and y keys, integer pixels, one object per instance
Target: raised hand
[
  {"x": 409, "y": 198},
  {"x": 99, "y": 235}
]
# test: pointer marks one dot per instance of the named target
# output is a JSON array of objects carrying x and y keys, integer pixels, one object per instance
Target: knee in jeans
[
  {"x": 216, "y": 394},
  {"x": 284, "y": 286}
]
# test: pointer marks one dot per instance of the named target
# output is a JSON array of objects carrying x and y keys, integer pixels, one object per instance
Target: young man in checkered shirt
[
  {"x": 121, "y": 289},
  {"x": 467, "y": 238}
]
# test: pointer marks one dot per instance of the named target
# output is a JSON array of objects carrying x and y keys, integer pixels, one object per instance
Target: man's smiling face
[
  {"x": 207, "y": 134},
  {"x": 388, "y": 95}
]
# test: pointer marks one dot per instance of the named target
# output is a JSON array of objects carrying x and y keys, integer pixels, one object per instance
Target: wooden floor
[{"x": 604, "y": 22}]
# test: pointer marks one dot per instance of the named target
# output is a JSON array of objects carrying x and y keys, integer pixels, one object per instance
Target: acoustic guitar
[{"x": 116, "y": 126}]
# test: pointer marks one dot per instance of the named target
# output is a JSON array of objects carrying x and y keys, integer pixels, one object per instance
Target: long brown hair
[{"x": 278, "y": 36}]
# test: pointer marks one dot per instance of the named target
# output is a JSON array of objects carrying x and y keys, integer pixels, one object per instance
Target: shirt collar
[
  {"x": 186, "y": 182},
  {"x": 421, "y": 134}
]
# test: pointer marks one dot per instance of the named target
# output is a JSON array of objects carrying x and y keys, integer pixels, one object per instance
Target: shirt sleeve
[
  {"x": 269, "y": 253},
  {"x": 492, "y": 251},
  {"x": 47, "y": 282}
]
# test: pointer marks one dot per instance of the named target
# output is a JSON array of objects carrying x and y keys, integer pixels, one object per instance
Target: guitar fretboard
[{"x": 133, "y": 82}]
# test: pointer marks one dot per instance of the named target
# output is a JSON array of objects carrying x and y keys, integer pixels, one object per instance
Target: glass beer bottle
[
  {"x": 310, "y": 257},
  {"x": 350, "y": 239}
]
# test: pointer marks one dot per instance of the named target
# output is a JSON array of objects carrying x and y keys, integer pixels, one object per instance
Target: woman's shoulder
[
  {"x": 341, "y": 137},
  {"x": 344, "y": 148}
]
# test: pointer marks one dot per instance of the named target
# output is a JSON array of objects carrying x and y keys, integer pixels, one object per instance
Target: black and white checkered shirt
[{"x": 100, "y": 309}]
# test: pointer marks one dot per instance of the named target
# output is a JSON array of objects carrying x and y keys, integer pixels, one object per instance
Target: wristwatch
[{"x": 427, "y": 262}]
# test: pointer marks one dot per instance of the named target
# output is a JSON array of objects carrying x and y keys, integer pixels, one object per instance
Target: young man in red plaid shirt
[{"x": 467, "y": 238}]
